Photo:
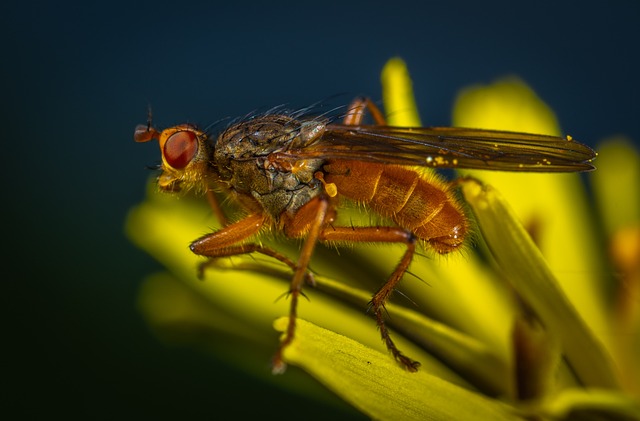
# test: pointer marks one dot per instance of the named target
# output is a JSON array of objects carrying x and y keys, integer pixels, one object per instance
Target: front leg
[
  {"x": 225, "y": 243},
  {"x": 212, "y": 245}
]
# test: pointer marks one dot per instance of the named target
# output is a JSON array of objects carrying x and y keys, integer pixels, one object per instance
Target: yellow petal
[
  {"x": 397, "y": 95},
  {"x": 249, "y": 293},
  {"x": 476, "y": 361},
  {"x": 459, "y": 287},
  {"x": 616, "y": 184},
  {"x": 592, "y": 404},
  {"x": 371, "y": 382},
  {"x": 525, "y": 268},
  {"x": 617, "y": 190},
  {"x": 553, "y": 207}
]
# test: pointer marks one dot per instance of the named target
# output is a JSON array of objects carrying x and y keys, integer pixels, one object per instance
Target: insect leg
[
  {"x": 248, "y": 249},
  {"x": 384, "y": 235},
  {"x": 320, "y": 208},
  {"x": 357, "y": 108},
  {"x": 223, "y": 243},
  {"x": 210, "y": 244}
]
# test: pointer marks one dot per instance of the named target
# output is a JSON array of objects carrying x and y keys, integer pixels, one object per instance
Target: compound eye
[{"x": 180, "y": 148}]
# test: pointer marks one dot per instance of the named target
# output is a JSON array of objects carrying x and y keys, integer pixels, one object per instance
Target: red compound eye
[{"x": 180, "y": 148}]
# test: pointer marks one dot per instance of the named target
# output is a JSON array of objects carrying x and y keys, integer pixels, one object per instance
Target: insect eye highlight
[{"x": 180, "y": 148}]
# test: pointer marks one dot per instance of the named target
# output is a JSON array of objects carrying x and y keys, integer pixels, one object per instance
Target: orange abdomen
[{"x": 418, "y": 202}]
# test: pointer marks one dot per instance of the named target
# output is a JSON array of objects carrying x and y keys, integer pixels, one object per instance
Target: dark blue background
[{"x": 77, "y": 78}]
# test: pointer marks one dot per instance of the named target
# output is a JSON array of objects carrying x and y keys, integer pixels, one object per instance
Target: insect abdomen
[{"x": 418, "y": 202}]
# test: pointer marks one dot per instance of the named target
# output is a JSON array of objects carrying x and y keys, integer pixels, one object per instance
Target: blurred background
[{"x": 78, "y": 77}]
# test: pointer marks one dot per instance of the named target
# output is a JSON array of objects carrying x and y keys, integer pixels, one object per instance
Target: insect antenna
[{"x": 149, "y": 116}]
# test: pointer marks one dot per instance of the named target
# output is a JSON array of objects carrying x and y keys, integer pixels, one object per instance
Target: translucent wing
[{"x": 447, "y": 147}]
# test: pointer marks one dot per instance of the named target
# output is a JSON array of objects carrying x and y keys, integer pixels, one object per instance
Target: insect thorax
[{"x": 251, "y": 157}]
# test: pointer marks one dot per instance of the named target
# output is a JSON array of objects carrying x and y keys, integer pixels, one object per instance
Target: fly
[{"x": 291, "y": 175}]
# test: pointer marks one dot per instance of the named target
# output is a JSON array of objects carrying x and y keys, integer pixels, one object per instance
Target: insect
[{"x": 291, "y": 175}]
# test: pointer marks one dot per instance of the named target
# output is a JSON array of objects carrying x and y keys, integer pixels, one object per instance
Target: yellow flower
[{"x": 515, "y": 327}]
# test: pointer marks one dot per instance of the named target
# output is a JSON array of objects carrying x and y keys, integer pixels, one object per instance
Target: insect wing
[{"x": 448, "y": 147}]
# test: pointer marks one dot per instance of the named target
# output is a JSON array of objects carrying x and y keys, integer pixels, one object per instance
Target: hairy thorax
[{"x": 251, "y": 157}]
